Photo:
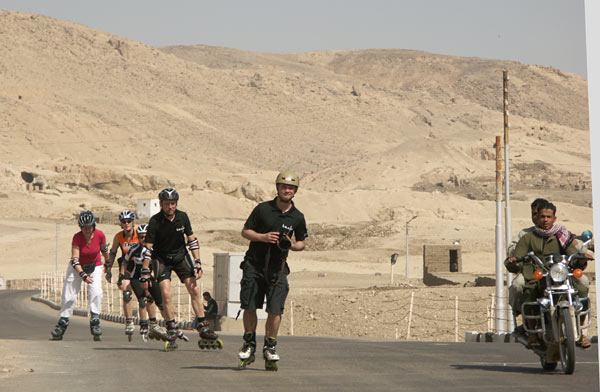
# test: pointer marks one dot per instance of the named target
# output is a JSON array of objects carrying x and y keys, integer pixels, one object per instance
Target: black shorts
[
  {"x": 153, "y": 289},
  {"x": 255, "y": 288},
  {"x": 183, "y": 267}
]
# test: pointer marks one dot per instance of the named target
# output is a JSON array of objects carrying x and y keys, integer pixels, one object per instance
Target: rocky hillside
[{"x": 100, "y": 120}]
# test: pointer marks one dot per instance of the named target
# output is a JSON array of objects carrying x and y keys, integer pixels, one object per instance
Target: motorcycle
[{"x": 559, "y": 315}]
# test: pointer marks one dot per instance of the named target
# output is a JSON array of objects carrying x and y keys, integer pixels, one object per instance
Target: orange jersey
[{"x": 126, "y": 243}]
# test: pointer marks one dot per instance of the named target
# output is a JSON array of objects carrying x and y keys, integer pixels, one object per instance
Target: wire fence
[
  {"x": 413, "y": 315},
  {"x": 112, "y": 296},
  {"x": 422, "y": 314}
]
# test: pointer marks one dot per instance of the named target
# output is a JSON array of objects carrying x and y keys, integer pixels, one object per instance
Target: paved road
[{"x": 308, "y": 364}]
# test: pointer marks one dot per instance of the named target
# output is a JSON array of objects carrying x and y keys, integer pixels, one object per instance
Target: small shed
[
  {"x": 441, "y": 258},
  {"x": 146, "y": 208}
]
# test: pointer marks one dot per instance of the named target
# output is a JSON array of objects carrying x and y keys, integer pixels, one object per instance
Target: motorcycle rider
[
  {"x": 515, "y": 290},
  {"x": 545, "y": 239}
]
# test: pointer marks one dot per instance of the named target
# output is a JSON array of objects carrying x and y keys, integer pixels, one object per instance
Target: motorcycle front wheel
[
  {"x": 549, "y": 366},
  {"x": 566, "y": 334}
]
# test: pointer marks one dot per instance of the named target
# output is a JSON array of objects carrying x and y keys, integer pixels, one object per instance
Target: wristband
[
  {"x": 83, "y": 275},
  {"x": 143, "y": 280},
  {"x": 145, "y": 271}
]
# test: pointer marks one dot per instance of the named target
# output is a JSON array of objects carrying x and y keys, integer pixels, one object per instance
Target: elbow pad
[
  {"x": 74, "y": 261},
  {"x": 193, "y": 244}
]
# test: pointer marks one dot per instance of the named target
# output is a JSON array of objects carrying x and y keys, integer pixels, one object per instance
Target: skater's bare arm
[
  {"x": 269, "y": 238},
  {"x": 77, "y": 267},
  {"x": 111, "y": 255},
  {"x": 194, "y": 246},
  {"x": 297, "y": 246},
  {"x": 146, "y": 266}
]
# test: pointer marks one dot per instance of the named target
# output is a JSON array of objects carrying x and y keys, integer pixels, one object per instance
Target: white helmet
[
  {"x": 142, "y": 229},
  {"x": 126, "y": 215}
]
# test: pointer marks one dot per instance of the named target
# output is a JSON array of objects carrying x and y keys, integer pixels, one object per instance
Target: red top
[{"x": 89, "y": 253}]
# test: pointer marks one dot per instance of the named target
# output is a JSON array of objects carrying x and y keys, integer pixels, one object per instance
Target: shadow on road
[
  {"x": 218, "y": 368},
  {"x": 127, "y": 349},
  {"x": 505, "y": 369}
]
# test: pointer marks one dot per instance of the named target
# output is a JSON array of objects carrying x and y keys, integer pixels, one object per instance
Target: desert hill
[{"x": 377, "y": 136}]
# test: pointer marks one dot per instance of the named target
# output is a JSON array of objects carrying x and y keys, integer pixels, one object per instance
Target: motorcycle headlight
[{"x": 559, "y": 272}]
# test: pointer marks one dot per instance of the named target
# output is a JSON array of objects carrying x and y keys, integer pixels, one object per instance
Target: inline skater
[
  {"x": 85, "y": 266},
  {"x": 269, "y": 229},
  {"x": 149, "y": 299},
  {"x": 166, "y": 247},
  {"x": 124, "y": 240}
]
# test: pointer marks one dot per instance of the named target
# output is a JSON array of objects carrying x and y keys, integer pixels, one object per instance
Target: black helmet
[
  {"x": 168, "y": 194},
  {"x": 86, "y": 218}
]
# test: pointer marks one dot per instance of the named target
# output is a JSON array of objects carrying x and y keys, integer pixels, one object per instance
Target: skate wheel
[
  {"x": 144, "y": 338},
  {"x": 129, "y": 337},
  {"x": 246, "y": 362},
  {"x": 219, "y": 344},
  {"x": 271, "y": 366},
  {"x": 97, "y": 338},
  {"x": 201, "y": 344},
  {"x": 170, "y": 346}
]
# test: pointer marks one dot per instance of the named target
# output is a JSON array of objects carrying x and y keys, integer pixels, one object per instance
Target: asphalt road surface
[{"x": 308, "y": 363}]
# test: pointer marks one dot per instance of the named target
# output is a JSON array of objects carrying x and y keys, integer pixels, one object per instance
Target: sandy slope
[{"x": 378, "y": 136}]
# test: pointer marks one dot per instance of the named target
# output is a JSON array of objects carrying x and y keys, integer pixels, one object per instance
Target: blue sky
[{"x": 545, "y": 32}]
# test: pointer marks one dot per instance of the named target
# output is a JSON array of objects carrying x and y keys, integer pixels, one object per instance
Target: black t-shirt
[
  {"x": 211, "y": 308},
  {"x": 135, "y": 254},
  {"x": 167, "y": 237},
  {"x": 267, "y": 217}
]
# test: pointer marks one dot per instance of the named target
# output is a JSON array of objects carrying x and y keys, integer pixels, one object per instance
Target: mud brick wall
[{"x": 437, "y": 258}]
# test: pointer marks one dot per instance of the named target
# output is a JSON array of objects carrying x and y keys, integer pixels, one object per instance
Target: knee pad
[
  {"x": 126, "y": 296},
  {"x": 142, "y": 302},
  {"x": 149, "y": 299}
]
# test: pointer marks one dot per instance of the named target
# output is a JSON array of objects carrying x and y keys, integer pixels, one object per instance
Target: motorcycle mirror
[{"x": 394, "y": 258}]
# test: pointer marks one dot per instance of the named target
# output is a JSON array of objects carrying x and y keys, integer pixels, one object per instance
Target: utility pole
[
  {"x": 507, "y": 217},
  {"x": 500, "y": 309},
  {"x": 407, "y": 222}
]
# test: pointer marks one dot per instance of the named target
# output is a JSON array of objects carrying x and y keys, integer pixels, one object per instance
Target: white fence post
[
  {"x": 456, "y": 319},
  {"x": 291, "y": 318},
  {"x": 412, "y": 297},
  {"x": 179, "y": 300}
]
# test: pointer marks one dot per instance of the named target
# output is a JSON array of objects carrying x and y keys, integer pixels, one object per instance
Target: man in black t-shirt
[
  {"x": 269, "y": 228},
  {"x": 166, "y": 248}
]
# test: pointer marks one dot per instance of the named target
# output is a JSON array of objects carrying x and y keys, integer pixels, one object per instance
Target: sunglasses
[{"x": 126, "y": 221}]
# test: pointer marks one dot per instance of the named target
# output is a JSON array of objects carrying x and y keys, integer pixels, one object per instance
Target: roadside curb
[
  {"x": 115, "y": 318},
  {"x": 494, "y": 337}
]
